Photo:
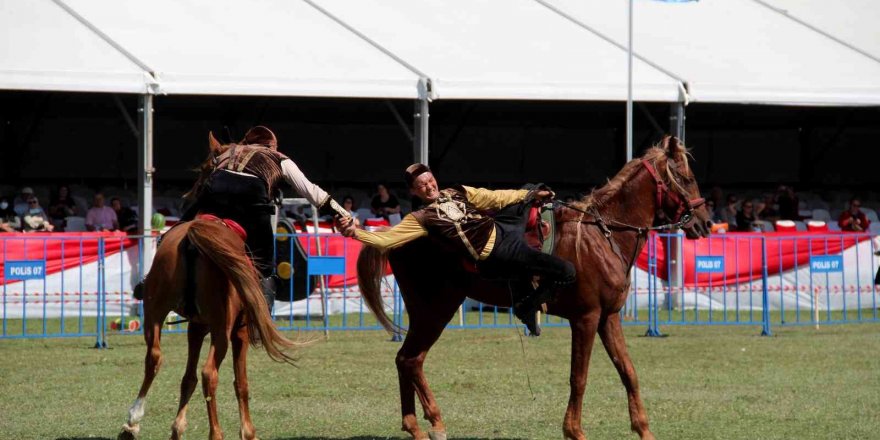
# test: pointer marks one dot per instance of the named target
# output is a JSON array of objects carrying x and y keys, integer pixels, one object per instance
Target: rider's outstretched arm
[
  {"x": 487, "y": 199},
  {"x": 407, "y": 230},
  {"x": 313, "y": 193}
]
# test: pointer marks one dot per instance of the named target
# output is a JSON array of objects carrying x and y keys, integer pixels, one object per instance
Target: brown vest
[{"x": 456, "y": 221}]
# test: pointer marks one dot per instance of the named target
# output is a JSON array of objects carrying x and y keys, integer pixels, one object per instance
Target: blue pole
[{"x": 765, "y": 298}]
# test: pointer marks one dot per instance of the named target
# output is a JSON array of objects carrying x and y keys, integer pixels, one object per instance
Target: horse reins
[{"x": 684, "y": 214}]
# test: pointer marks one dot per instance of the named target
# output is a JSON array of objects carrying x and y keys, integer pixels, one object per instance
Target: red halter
[{"x": 685, "y": 206}]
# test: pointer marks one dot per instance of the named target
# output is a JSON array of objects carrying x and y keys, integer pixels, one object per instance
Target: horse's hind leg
[
  {"x": 195, "y": 338},
  {"x": 583, "y": 334},
  {"x": 210, "y": 377},
  {"x": 611, "y": 333},
  {"x": 239, "y": 360},
  {"x": 152, "y": 362}
]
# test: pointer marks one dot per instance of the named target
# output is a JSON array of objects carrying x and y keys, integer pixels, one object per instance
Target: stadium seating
[
  {"x": 821, "y": 214},
  {"x": 75, "y": 224},
  {"x": 786, "y": 226}
]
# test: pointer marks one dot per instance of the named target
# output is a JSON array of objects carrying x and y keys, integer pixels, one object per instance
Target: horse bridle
[{"x": 684, "y": 213}]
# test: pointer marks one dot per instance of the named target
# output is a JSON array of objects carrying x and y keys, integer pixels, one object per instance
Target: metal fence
[{"x": 81, "y": 286}]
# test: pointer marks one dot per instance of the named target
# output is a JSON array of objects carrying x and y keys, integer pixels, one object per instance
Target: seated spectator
[
  {"x": 710, "y": 206},
  {"x": 9, "y": 220},
  {"x": 854, "y": 219},
  {"x": 125, "y": 216},
  {"x": 61, "y": 207},
  {"x": 766, "y": 210},
  {"x": 745, "y": 218},
  {"x": 788, "y": 203},
  {"x": 20, "y": 204},
  {"x": 348, "y": 205},
  {"x": 384, "y": 203},
  {"x": 35, "y": 219},
  {"x": 727, "y": 213},
  {"x": 100, "y": 217}
]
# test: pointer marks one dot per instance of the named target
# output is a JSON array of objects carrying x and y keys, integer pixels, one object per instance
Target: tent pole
[
  {"x": 420, "y": 120},
  {"x": 629, "y": 86},
  {"x": 145, "y": 175},
  {"x": 676, "y": 120},
  {"x": 676, "y": 276}
]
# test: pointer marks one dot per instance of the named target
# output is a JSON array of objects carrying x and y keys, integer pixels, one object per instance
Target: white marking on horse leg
[
  {"x": 136, "y": 412},
  {"x": 437, "y": 435}
]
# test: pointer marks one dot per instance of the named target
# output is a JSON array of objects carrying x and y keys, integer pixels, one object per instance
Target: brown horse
[
  {"x": 232, "y": 309},
  {"x": 601, "y": 235}
]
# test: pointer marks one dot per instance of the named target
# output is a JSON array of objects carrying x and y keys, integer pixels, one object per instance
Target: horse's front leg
[
  {"x": 426, "y": 327},
  {"x": 210, "y": 377},
  {"x": 152, "y": 363},
  {"x": 239, "y": 360},
  {"x": 583, "y": 333},
  {"x": 611, "y": 332},
  {"x": 195, "y": 339}
]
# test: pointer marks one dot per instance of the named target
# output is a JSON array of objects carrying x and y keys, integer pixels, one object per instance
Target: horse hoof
[
  {"x": 128, "y": 432},
  {"x": 437, "y": 435}
]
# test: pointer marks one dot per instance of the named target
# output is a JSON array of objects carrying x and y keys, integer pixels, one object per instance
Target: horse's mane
[{"x": 658, "y": 155}]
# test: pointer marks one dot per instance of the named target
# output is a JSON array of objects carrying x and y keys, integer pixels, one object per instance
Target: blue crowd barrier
[{"x": 81, "y": 285}]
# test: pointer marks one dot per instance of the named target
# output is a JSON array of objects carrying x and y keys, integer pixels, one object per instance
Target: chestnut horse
[
  {"x": 602, "y": 235},
  {"x": 232, "y": 309}
]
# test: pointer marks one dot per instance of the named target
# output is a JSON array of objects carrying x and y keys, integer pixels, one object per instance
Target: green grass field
[{"x": 698, "y": 383}]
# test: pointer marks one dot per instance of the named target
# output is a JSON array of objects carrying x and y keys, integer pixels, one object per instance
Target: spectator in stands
[
  {"x": 100, "y": 217},
  {"x": 61, "y": 206},
  {"x": 35, "y": 219},
  {"x": 766, "y": 210},
  {"x": 727, "y": 213},
  {"x": 788, "y": 203},
  {"x": 384, "y": 203},
  {"x": 716, "y": 196},
  {"x": 125, "y": 216},
  {"x": 20, "y": 204},
  {"x": 9, "y": 220},
  {"x": 854, "y": 219},
  {"x": 745, "y": 218},
  {"x": 710, "y": 206},
  {"x": 348, "y": 205}
]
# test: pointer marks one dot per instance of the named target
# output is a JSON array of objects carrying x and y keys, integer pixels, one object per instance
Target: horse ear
[
  {"x": 213, "y": 143},
  {"x": 672, "y": 146}
]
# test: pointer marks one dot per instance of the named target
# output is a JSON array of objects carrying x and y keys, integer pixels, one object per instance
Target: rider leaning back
[
  {"x": 459, "y": 216},
  {"x": 240, "y": 184}
]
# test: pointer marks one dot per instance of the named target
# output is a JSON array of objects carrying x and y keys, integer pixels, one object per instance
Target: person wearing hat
[
  {"x": 242, "y": 184},
  {"x": 459, "y": 216},
  {"x": 20, "y": 204}
]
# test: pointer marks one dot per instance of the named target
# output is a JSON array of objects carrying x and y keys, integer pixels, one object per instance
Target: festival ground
[{"x": 698, "y": 383}]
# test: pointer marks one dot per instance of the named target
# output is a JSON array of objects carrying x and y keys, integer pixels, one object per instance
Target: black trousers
[
  {"x": 512, "y": 258},
  {"x": 244, "y": 199}
]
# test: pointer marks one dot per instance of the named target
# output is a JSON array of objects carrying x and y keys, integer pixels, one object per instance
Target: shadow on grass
[
  {"x": 85, "y": 438},
  {"x": 366, "y": 437}
]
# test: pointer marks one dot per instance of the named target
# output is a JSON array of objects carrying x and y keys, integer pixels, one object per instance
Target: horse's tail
[
  {"x": 224, "y": 249},
  {"x": 371, "y": 269}
]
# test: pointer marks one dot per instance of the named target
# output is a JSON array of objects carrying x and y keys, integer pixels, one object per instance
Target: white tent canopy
[
  {"x": 800, "y": 52},
  {"x": 502, "y": 49},
  {"x": 267, "y": 47},
  {"x": 740, "y": 51},
  {"x": 853, "y": 21},
  {"x": 43, "y": 47}
]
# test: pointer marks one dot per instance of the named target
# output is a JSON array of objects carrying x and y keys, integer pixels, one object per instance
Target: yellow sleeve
[
  {"x": 406, "y": 231},
  {"x": 484, "y": 198}
]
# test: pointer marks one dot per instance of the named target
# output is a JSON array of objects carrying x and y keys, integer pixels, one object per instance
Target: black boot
[
  {"x": 526, "y": 306},
  {"x": 269, "y": 285},
  {"x": 138, "y": 292}
]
